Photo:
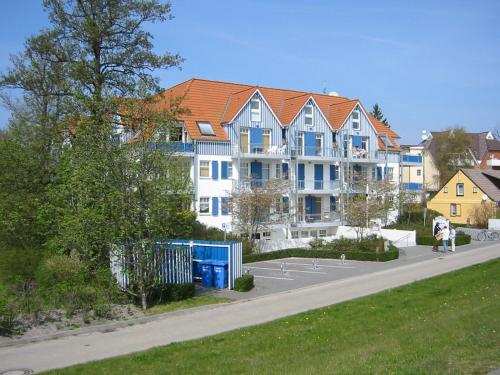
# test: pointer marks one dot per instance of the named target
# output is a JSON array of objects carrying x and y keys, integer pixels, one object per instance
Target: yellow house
[{"x": 466, "y": 189}]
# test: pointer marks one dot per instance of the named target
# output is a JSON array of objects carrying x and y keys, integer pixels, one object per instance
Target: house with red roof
[{"x": 237, "y": 134}]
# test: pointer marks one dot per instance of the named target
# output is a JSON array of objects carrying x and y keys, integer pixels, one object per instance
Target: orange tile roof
[{"x": 219, "y": 102}]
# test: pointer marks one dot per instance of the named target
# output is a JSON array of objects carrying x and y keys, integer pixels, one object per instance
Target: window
[
  {"x": 445, "y": 189},
  {"x": 244, "y": 170},
  {"x": 295, "y": 234},
  {"x": 244, "y": 140},
  {"x": 314, "y": 234},
  {"x": 204, "y": 169},
  {"x": 255, "y": 112},
  {"x": 390, "y": 173},
  {"x": 304, "y": 234},
  {"x": 266, "y": 133},
  {"x": 322, "y": 233},
  {"x": 386, "y": 141},
  {"x": 265, "y": 171},
  {"x": 205, "y": 128},
  {"x": 205, "y": 205},
  {"x": 229, "y": 169},
  {"x": 334, "y": 139},
  {"x": 364, "y": 143},
  {"x": 460, "y": 190},
  {"x": 300, "y": 143},
  {"x": 266, "y": 234},
  {"x": 454, "y": 209},
  {"x": 308, "y": 115},
  {"x": 319, "y": 144},
  {"x": 419, "y": 172},
  {"x": 474, "y": 189},
  {"x": 278, "y": 171},
  {"x": 355, "y": 120},
  {"x": 300, "y": 208}
]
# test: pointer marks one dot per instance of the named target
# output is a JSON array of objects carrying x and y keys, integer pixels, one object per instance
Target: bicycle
[{"x": 488, "y": 235}]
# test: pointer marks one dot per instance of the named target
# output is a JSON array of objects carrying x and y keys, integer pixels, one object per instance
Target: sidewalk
[{"x": 220, "y": 318}]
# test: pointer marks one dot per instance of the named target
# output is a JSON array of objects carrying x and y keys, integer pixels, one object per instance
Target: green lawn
[
  {"x": 446, "y": 325},
  {"x": 185, "y": 304}
]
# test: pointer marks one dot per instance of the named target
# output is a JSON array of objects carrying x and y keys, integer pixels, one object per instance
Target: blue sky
[{"x": 428, "y": 64}]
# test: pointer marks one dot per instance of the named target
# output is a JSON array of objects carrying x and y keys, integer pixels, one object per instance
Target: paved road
[{"x": 209, "y": 321}]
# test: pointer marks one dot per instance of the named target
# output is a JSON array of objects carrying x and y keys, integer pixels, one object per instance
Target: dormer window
[
  {"x": 355, "y": 120},
  {"x": 206, "y": 128},
  {"x": 308, "y": 115},
  {"x": 255, "y": 110}
]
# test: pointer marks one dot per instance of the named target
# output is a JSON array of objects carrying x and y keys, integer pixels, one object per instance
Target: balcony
[
  {"x": 412, "y": 186},
  {"x": 493, "y": 163},
  {"x": 315, "y": 153},
  {"x": 173, "y": 147},
  {"x": 321, "y": 219},
  {"x": 317, "y": 186},
  {"x": 409, "y": 160},
  {"x": 261, "y": 151},
  {"x": 365, "y": 156}
]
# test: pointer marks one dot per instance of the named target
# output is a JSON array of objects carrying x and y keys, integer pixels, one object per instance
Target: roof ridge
[
  {"x": 347, "y": 101},
  {"x": 265, "y": 87}
]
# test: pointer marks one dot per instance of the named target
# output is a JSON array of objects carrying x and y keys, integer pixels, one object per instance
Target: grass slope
[{"x": 446, "y": 325}]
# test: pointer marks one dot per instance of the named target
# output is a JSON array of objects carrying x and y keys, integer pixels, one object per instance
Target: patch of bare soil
[{"x": 49, "y": 322}]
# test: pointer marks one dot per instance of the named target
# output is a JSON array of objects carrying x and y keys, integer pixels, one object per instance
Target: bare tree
[{"x": 257, "y": 204}]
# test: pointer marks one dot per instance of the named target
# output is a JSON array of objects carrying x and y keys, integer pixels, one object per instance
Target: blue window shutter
[
  {"x": 285, "y": 204},
  {"x": 223, "y": 172},
  {"x": 215, "y": 206},
  {"x": 318, "y": 176},
  {"x": 256, "y": 138},
  {"x": 215, "y": 169},
  {"x": 224, "y": 208},
  {"x": 284, "y": 169},
  {"x": 310, "y": 143},
  {"x": 256, "y": 170},
  {"x": 301, "y": 171},
  {"x": 379, "y": 173},
  {"x": 357, "y": 141},
  {"x": 333, "y": 172},
  {"x": 385, "y": 171},
  {"x": 333, "y": 204}
]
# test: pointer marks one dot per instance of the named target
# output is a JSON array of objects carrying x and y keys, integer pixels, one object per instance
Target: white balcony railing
[{"x": 318, "y": 185}]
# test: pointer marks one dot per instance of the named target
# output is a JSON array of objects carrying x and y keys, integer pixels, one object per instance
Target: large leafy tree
[
  {"x": 94, "y": 52},
  {"x": 451, "y": 152}
]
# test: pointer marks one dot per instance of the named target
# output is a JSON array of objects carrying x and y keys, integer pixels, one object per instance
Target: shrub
[
  {"x": 244, "y": 283},
  {"x": 460, "y": 239},
  {"x": 317, "y": 243},
  {"x": 171, "y": 292},
  {"x": 7, "y": 315},
  {"x": 391, "y": 254}
]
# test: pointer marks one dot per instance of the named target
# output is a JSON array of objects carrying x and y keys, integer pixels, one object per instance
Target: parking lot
[{"x": 287, "y": 274}]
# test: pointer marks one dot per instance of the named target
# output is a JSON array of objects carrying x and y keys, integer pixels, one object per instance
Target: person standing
[
  {"x": 453, "y": 234},
  {"x": 445, "y": 233},
  {"x": 436, "y": 233}
]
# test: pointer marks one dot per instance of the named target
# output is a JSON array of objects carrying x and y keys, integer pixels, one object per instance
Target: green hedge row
[
  {"x": 171, "y": 292},
  {"x": 244, "y": 283},
  {"x": 391, "y": 254},
  {"x": 460, "y": 239}
]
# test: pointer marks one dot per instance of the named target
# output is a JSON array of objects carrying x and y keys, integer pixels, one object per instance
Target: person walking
[
  {"x": 453, "y": 234},
  {"x": 445, "y": 233}
]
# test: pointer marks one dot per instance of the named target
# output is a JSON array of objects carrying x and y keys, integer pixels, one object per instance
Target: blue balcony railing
[
  {"x": 412, "y": 158},
  {"x": 172, "y": 146},
  {"x": 413, "y": 186}
]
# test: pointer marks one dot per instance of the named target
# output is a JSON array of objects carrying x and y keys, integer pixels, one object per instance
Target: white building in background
[{"x": 235, "y": 133}]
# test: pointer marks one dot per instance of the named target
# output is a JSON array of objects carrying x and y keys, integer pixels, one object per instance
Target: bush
[
  {"x": 244, "y": 283},
  {"x": 170, "y": 293},
  {"x": 317, "y": 244},
  {"x": 7, "y": 315},
  {"x": 384, "y": 256},
  {"x": 19, "y": 263},
  {"x": 460, "y": 239}
]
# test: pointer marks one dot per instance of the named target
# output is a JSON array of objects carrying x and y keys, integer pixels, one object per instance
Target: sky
[{"x": 428, "y": 64}]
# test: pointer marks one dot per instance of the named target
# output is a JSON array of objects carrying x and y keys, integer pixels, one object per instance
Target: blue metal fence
[{"x": 179, "y": 261}]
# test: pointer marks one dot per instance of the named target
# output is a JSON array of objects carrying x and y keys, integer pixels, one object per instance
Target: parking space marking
[
  {"x": 275, "y": 278},
  {"x": 309, "y": 264},
  {"x": 287, "y": 270}
]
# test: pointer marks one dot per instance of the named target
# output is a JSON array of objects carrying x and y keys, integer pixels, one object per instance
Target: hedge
[
  {"x": 171, "y": 292},
  {"x": 460, "y": 239},
  {"x": 244, "y": 283},
  {"x": 391, "y": 254}
]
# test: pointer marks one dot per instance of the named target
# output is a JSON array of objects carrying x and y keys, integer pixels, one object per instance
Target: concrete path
[{"x": 209, "y": 321}]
